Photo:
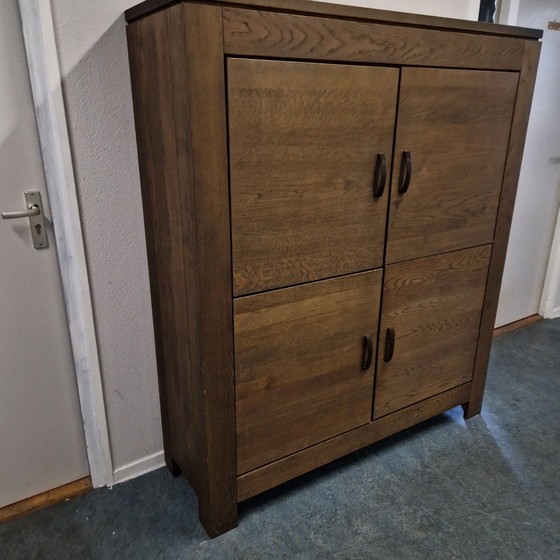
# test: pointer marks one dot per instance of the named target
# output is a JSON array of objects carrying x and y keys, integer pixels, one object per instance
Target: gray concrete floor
[{"x": 482, "y": 489}]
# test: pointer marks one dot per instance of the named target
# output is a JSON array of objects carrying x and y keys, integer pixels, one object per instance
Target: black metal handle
[
  {"x": 406, "y": 172},
  {"x": 380, "y": 176},
  {"x": 389, "y": 345},
  {"x": 367, "y": 352}
]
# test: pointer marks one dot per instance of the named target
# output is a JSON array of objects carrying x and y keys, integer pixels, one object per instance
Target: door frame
[
  {"x": 46, "y": 85},
  {"x": 548, "y": 308},
  {"x": 507, "y": 12}
]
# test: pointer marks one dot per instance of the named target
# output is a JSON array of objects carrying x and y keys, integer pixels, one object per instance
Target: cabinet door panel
[
  {"x": 455, "y": 124},
  {"x": 433, "y": 305},
  {"x": 304, "y": 140},
  {"x": 298, "y": 365}
]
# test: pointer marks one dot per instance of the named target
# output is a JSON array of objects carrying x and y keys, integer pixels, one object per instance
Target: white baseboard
[
  {"x": 139, "y": 467},
  {"x": 554, "y": 314}
]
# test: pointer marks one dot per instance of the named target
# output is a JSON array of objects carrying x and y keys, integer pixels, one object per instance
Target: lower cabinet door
[
  {"x": 304, "y": 361},
  {"x": 429, "y": 326}
]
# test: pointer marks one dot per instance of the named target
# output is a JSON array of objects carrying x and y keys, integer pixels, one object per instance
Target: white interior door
[
  {"x": 538, "y": 194},
  {"x": 41, "y": 436}
]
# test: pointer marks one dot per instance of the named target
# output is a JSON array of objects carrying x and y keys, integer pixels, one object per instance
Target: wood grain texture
[
  {"x": 152, "y": 85},
  {"x": 352, "y": 12},
  {"x": 207, "y": 112},
  {"x": 503, "y": 224},
  {"x": 45, "y": 499},
  {"x": 434, "y": 306},
  {"x": 280, "y": 35},
  {"x": 276, "y": 473},
  {"x": 455, "y": 124},
  {"x": 178, "y": 79},
  {"x": 298, "y": 364},
  {"x": 303, "y": 144}
]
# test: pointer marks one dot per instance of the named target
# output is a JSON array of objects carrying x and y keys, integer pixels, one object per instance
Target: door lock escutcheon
[{"x": 36, "y": 220}]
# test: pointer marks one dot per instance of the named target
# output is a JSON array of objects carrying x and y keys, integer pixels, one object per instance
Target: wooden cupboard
[{"x": 327, "y": 194}]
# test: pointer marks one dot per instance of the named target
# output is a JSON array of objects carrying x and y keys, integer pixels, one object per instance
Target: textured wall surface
[
  {"x": 93, "y": 57},
  {"x": 536, "y": 208}
]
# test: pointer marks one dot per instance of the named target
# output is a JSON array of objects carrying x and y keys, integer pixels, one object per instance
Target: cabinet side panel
[
  {"x": 207, "y": 114},
  {"x": 179, "y": 97},
  {"x": 156, "y": 112},
  {"x": 505, "y": 212}
]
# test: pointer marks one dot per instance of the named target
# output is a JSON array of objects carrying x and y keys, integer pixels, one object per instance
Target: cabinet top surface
[{"x": 308, "y": 7}]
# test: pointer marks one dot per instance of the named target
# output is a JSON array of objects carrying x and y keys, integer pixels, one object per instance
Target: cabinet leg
[
  {"x": 217, "y": 518},
  {"x": 173, "y": 467},
  {"x": 472, "y": 408}
]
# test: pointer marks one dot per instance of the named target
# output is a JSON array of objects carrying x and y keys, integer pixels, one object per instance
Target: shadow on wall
[{"x": 98, "y": 103}]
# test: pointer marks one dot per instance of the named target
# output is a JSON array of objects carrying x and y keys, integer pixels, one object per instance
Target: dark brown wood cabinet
[{"x": 327, "y": 194}]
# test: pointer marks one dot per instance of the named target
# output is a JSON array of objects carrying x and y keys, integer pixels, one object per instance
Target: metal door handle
[
  {"x": 406, "y": 172},
  {"x": 32, "y": 211},
  {"x": 389, "y": 345},
  {"x": 36, "y": 219},
  {"x": 367, "y": 352},
  {"x": 380, "y": 175}
]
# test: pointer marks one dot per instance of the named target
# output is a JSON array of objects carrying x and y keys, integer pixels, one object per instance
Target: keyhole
[{"x": 38, "y": 229}]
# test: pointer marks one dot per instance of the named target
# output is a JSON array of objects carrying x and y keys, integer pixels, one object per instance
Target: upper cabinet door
[
  {"x": 309, "y": 144},
  {"x": 452, "y": 137}
]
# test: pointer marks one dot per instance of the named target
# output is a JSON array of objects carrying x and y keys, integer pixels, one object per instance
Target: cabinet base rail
[{"x": 278, "y": 472}]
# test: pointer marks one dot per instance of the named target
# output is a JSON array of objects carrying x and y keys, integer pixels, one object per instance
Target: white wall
[
  {"x": 550, "y": 303},
  {"x": 536, "y": 208},
  {"x": 93, "y": 58},
  {"x": 507, "y": 12},
  {"x": 460, "y": 9}
]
